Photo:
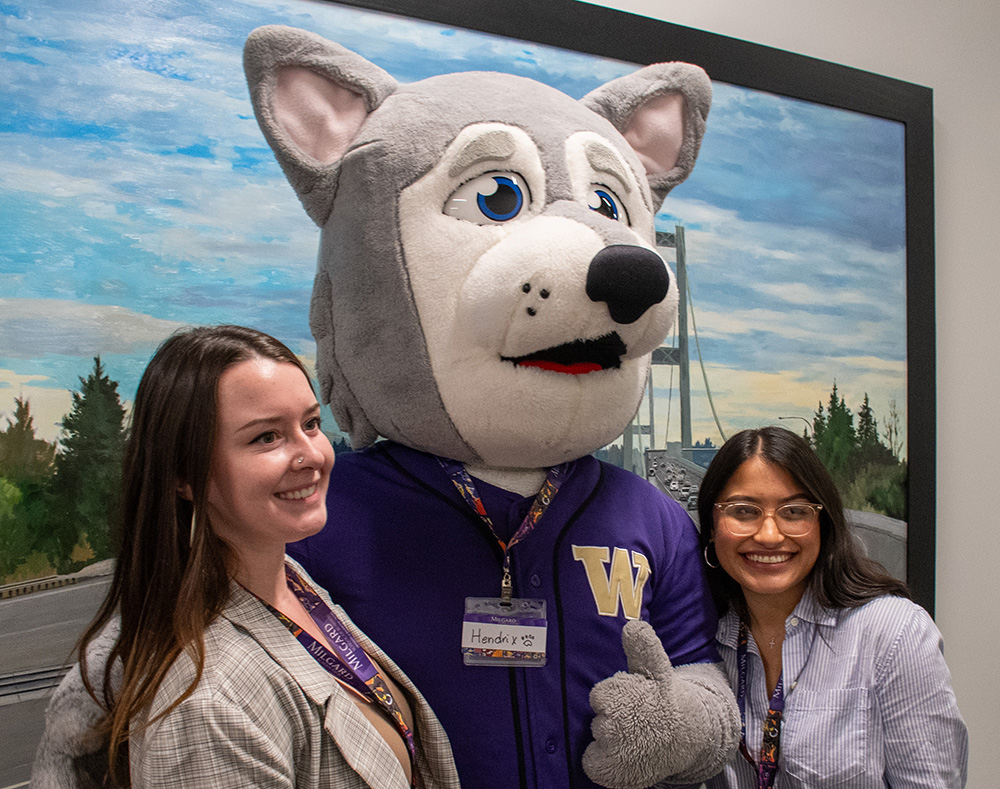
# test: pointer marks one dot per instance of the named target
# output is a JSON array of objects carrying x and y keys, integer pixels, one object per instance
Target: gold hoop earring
[{"x": 705, "y": 554}]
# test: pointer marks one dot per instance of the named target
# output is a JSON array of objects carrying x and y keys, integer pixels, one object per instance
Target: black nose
[{"x": 629, "y": 279}]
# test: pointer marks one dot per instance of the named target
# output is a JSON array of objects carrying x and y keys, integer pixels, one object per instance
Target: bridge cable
[{"x": 701, "y": 361}]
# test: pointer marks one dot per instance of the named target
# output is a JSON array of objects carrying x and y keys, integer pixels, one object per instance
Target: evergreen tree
[
  {"x": 15, "y": 540},
  {"x": 867, "y": 472},
  {"x": 23, "y": 457},
  {"x": 26, "y": 467},
  {"x": 871, "y": 450},
  {"x": 867, "y": 426},
  {"x": 88, "y": 470},
  {"x": 836, "y": 442},
  {"x": 819, "y": 425},
  {"x": 340, "y": 445}
]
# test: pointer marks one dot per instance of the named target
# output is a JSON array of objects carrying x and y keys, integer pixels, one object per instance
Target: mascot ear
[
  {"x": 310, "y": 96},
  {"x": 661, "y": 112}
]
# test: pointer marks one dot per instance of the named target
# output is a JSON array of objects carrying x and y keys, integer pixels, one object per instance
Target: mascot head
[{"x": 487, "y": 286}]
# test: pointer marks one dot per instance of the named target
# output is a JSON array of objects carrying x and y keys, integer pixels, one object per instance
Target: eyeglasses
[{"x": 741, "y": 518}]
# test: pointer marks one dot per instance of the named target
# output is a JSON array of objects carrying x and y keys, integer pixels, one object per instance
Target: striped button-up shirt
[{"x": 868, "y": 700}]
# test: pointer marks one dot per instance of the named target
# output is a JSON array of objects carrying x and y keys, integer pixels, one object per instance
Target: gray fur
[
  {"x": 658, "y": 723},
  {"x": 618, "y": 100},
  {"x": 70, "y": 753},
  {"x": 269, "y": 49}
]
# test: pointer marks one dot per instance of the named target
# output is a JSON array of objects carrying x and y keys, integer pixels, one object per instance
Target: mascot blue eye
[
  {"x": 505, "y": 203},
  {"x": 605, "y": 202},
  {"x": 492, "y": 198}
]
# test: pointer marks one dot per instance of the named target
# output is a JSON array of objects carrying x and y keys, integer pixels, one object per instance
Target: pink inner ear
[
  {"x": 656, "y": 132},
  {"x": 320, "y": 116}
]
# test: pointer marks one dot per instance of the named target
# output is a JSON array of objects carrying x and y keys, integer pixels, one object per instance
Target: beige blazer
[{"x": 266, "y": 714}]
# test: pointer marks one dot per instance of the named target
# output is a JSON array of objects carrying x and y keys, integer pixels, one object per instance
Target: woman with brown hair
[
  {"x": 215, "y": 659},
  {"x": 839, "y": 676}
]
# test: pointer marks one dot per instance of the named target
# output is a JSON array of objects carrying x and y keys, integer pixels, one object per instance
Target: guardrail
[
  {"x": 35, "y": 585},
  {"x": 30, "y": 684}
]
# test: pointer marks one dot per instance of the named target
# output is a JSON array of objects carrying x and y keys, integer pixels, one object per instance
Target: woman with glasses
[{"x": 839, "y": 676}]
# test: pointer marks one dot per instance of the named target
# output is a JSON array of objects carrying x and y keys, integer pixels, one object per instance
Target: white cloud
[
  {"x": 774, "y": 265},
  {"x": 801, "y": 293},
  {"x": 33, "y": 328},
  {"x": 48, "y": 405}
]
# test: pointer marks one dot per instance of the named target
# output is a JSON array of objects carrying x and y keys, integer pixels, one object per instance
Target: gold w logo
[{"x": 618, "y": 585}]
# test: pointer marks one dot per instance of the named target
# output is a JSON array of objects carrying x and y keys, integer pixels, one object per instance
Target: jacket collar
[
  {"x": 247, "y": 613},
  {"x": 356, "y": 738}
]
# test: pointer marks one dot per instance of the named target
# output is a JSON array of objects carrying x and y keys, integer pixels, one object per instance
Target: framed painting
[{"x": 139, "y": 196}]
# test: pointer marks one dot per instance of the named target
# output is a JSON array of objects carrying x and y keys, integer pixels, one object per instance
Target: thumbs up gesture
[{"x": 655, "y": 722}]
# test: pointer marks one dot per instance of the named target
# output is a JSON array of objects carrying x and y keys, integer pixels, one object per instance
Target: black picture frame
[{"x": 609, "y": 33}]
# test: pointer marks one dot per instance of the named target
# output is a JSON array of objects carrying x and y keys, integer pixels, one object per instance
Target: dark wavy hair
[
  {"x": 170, "y": 582},
  {"x": 843, "y": 577}
]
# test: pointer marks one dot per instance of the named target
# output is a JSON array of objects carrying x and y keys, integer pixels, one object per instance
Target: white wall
[{"x": 952, "y": 48}]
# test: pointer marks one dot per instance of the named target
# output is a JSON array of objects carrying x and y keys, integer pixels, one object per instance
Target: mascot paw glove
[{"x": 641, "y": 732}]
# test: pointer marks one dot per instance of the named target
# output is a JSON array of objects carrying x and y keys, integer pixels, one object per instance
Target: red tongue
[{"x": 577, "y": 368}]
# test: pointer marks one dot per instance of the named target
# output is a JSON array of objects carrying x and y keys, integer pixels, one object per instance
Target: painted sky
[{"x": 137, "y": 195}]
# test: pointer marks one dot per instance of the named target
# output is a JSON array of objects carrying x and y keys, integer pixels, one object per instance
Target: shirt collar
[{"x": 808, "y": 609}]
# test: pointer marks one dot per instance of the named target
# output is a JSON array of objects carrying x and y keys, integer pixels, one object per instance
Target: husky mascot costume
[{"x": 487, "y": 301}]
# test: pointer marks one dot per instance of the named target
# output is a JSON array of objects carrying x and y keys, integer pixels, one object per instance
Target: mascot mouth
[{"x": 576, "y": 358}]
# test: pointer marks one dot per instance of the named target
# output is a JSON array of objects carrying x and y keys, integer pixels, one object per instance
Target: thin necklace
[{"x": 772, "y": 643}]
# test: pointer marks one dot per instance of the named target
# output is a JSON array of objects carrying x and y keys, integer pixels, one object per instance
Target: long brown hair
[
  {"x": 843, "y": 577},
  {"x": 170, "y": 581}
]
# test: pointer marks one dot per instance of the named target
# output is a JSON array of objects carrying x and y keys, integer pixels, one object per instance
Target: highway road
[
  {"x": 678, "y": 478},
  {"x": 41, "y": 628},
  {"x": 38, "y": 630}
]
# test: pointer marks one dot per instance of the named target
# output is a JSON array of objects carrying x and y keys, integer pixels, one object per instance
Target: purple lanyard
[
  {"x": 767, "y": 767},
  {"x": 467, "y": 489},
  {"x": 348, "y": 662}
]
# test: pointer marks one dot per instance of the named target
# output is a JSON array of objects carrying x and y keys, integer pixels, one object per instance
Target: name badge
[{"x": 494, "y": 634}]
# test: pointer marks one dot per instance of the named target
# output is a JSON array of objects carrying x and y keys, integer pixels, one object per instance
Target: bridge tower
[{"x": 669, "y": 355}]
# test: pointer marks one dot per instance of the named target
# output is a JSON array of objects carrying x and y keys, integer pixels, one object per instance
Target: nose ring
[{"x": 302, "y": 459}]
